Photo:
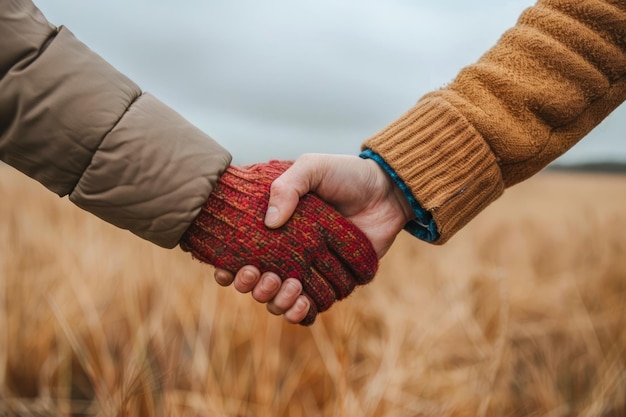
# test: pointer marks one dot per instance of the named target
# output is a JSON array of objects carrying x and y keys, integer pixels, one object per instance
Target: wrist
[
  {"x": 401, "y": 207},
  {"x": 420, "y": 222},
  {"x": 403, "y": 204}
]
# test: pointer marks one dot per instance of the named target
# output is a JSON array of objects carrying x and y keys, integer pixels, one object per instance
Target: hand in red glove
[{"x": 317, "y": 246}]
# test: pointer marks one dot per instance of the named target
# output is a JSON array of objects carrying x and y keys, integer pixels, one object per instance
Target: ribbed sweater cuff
[
  {"x": 443, "y": 161},
  {"x": 423, "y": 227}
]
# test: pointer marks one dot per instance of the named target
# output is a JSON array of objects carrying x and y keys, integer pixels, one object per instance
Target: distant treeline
[{"x": 600, "y": 167}]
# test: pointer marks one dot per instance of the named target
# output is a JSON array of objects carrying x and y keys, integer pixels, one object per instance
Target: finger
[
  {"x": 350, "y": 246},
  {"x": 267, "y": 287},
  {"x": 321, "y": 294},
  {"x": 286, "y": 297},
  {"x": 335, "y": 274},
  {"x": 286, "y": 190},
  {"x": 298, "y": 312},
  {"x": 246, "y": 279},
  {"x": 223, "y": 277},
  {"x": 311, "y": 313}
]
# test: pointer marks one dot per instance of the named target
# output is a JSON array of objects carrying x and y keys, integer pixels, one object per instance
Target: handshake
[{"x": 329, "y": 246}]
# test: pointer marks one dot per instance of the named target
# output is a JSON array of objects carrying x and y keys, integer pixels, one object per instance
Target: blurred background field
[{"x": 521, "y": 314}]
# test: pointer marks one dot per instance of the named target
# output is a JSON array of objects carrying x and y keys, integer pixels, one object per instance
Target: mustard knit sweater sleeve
[{"x": 546, "y": 83}]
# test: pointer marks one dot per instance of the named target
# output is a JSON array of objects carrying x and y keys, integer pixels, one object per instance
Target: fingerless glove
[{"x": 317, "y": 246}]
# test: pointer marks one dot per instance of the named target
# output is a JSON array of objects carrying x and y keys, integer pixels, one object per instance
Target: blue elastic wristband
[{"x": 424, "y": 226}]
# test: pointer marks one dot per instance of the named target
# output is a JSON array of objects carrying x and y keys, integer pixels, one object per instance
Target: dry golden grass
[{"x": 522, "y": 314}]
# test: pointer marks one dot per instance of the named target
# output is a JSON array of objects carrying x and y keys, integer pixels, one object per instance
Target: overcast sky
[{"x": 277, "y": 78}]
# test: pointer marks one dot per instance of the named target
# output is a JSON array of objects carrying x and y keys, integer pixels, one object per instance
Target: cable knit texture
[
  {"x": 327, "y": 253},
  {"x": 546, "y": 83}
]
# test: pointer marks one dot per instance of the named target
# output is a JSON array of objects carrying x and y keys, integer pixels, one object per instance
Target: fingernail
[
  {"x": 292, "y": 289},
  {"x": 271, "y": 216},
  {"x": 247, "y": 277},
  {"x": 269, "y": 285},
  {"x": 221, "y": 277},
  {"x": 302, "y": 305}
]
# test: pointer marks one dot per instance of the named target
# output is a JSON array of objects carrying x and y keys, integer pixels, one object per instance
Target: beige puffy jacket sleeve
[
  {"x": 71, "y": 121},
  {"x": 546, "y": 83}
]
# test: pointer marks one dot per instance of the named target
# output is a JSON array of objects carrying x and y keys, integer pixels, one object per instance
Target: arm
[
  {"x": 81, "y": 128},
  {"x": 547, "y": 82}
]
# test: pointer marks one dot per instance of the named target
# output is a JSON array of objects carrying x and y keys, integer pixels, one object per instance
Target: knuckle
[{"x": 277, "y": 187}]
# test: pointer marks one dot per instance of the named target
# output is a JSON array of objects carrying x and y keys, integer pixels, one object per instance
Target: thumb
[{"x": 287, "y": 189}]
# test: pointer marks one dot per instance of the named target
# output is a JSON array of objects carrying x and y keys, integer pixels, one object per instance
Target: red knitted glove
[{"x": 327, "y": 253}]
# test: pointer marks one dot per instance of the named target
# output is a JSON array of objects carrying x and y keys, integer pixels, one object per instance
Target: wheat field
[{"x": 523, "y": 313}]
